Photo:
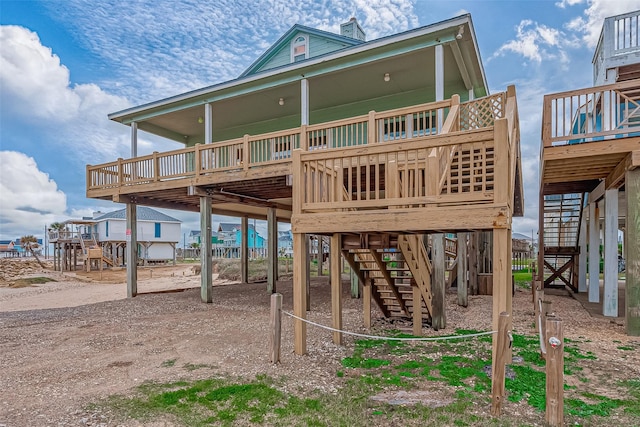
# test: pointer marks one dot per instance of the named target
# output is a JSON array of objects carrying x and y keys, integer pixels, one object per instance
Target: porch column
[
  {"x": 438, "y": 317},
  {"x": 439, "y": 83},
  {"x": 632, "y": 248},
  {"x": 134, "y": 139},
  {"x": 244, "y": 250},
  {"x": 336, "y": 286},
  {"x": 300, "y": 268},
  {"x": 206, "y": 285},
  {"x": 582, "y": 258},
  {"x": 594, "y": 253},
  {"x": 208, "y": 123},
  {"x": 304, "y": 102},
  {"x": 610, "y": 303},
  {"x": 272, "y": 249},
  {"x": 131, "y": 236}
]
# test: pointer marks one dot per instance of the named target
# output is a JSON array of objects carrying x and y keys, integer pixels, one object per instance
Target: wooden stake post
[
  {"x": 275, "y": 328},
  {"x": 498, "y": 371},
  {"x": 555, "y": 372}
]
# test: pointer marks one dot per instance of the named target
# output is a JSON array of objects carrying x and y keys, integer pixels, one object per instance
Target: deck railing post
[
  {"x": 245, "y": 152},
  {"x": 156, "y": 167},
  {"x": 371, "y": 128},
  {"x": 304, "y": 141},
  {"x": 198, "y": 158},
  {"x": 120, "y": 172}
]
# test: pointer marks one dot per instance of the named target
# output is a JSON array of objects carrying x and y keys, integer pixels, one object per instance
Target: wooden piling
[
  {"x": 554, "y": 416},
  {"x": 275, "y": 327},
  {"x": 498, "y": 369}
]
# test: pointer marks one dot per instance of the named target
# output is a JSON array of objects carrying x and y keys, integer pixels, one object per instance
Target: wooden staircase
[
  {"x": 562, "y": 219},
  {"x": 393, "y": 266}
]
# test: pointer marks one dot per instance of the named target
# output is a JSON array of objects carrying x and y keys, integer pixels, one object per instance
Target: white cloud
[
  {"x": 590, "y": 25},
  {"x": 157, "y": 58},
  {"x": 533, "y": 41},
  {"x": 29, "y": 198},
  {"x": 568, "y": 3},
  {"x": 36, "y": 88}
]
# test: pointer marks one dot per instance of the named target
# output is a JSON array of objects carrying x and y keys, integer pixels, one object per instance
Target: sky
[{"x": 66, "y": 64}]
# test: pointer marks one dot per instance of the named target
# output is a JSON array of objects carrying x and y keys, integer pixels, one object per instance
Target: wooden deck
[
  {"x": 418, "y": 160},
  {"x": 588, "y": 135}
]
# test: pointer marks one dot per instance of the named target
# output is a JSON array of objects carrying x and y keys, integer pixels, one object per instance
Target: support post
[
  {"x": 307, "y": 271},
  {"x": 206, "y": 283},
  {"x": 594, "y": 253},
  {"x": 275, "y": 327},
  {"x": 632, "y": 251},
  {"x": 473, "y": 263},
  {"x": 336, "y": 286},
  {"x": 554, "y": 416},
  {"x": 438, "y": 285},
  {"x": 132, "y": 249},
  {"x": 610, "y": 303},
  {"x": 272, "y": 256},
  {"x": 417, "y": 311},
  {"x": 582, "y": 258},
  {"x": 300, "y": 268},
  {"x": 501, "y": 281},
  {"x": 501, "y": 358},
  {"x": 366, "y": 302},
  {"x": 462, "y": 270},
  {"x": 244, "y": 250}
]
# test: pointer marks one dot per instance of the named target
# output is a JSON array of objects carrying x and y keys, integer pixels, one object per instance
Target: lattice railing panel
[{"x": 481, "y": 113}]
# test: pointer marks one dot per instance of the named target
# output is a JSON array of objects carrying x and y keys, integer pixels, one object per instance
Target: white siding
[{"x": 169, "y": 231}]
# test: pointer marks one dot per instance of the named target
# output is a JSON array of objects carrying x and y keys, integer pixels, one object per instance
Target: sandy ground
[
  {"x": 66, "y": 344},
  {"x": 73, "y": 289}
]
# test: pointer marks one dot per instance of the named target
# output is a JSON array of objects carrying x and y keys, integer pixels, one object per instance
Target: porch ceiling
[{"x": 356, "y": 90}]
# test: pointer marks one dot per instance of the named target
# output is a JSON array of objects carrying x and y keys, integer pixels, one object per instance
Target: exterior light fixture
[
  {"x": 387, "y": 77},
  {"x": 460, "y": 32},
  {"x": 281, "y": 101},
  {"x": 200, "y": 120}
]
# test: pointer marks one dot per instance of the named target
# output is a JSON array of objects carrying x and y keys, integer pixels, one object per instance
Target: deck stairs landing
[
  {"x": 394, "y": 265},
  {"x": 562, "y": 219}
]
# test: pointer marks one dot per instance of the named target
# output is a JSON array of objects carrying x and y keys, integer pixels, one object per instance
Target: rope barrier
[{"x": 377, "y": 337}]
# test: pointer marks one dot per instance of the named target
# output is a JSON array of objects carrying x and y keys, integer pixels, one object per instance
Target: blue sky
[{"x": 66, "y": 64}]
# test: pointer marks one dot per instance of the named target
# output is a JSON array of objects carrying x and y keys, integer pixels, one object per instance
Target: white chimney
[{"x": 352, "y": 29}]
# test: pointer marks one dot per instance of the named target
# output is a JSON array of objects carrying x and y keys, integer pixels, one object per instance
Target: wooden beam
[
  {"x": 616, "y": 178},
  {"x": 594, "y": 149},
  {"x": 336, "y": 287},
  {"x": 419, "y": 220},
  {"x": 206, "y": 279}
]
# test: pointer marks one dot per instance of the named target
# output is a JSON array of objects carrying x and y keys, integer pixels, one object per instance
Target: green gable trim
[{"x": 284, "y": 42}]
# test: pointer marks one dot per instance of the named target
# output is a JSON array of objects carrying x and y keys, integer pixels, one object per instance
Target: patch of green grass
[
  {"x": 359, "y": 362},
  {"x": 528, "y": 384},
  {"x": 30, "y": 281},
  {"x": 168, "y": 363},
  {"x": 193, "y": 367},
  {"x": 602, "y": 406},
  {"x": 625, "y": 348}
]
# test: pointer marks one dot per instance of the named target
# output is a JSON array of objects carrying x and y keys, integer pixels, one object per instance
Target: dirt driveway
[{"x": 68, "y": 343}]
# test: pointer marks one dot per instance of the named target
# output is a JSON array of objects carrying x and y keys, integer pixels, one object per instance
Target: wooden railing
[
  {"x": 377, "y": 128},
  {"x": 591, "y": 114},
  {"x": 445, "y": 168}
]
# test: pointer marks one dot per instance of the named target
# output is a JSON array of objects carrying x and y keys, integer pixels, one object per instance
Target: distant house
[
  {"x": 285, "y": 243},
  {"x": 8, "y": 248},
  {"x": 158, "y": 233},
  {"x": 157, "y": 237},
  {"x": 231, "y": 236}
]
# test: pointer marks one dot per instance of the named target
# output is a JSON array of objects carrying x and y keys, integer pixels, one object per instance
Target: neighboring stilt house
[
  {"x": 381, "y": 146},
  {"x": 590, "y": 176}
]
